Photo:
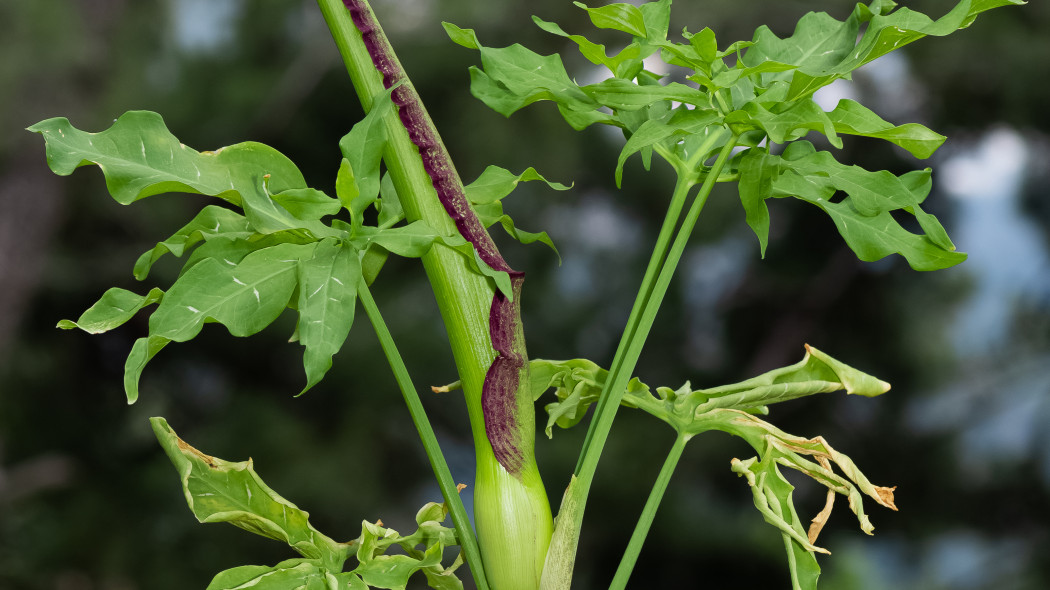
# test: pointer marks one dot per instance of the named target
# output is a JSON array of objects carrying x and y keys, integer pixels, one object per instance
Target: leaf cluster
[
  {"x": 733, "y": 409},
  {"x": 274, "y": 243},
  {"x": 224, "y": 491},
  {"x": 762, "y": 91}
]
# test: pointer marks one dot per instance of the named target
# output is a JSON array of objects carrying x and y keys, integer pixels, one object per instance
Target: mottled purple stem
[{"x": 499, "y": 393}]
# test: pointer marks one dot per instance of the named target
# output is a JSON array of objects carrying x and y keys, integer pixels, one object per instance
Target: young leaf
[
  {"x": 362, "y": 151},
  {"x": 114, "y": 308},
  {"x": 328, "y": 283},
  {"x": 221, "y": 491}
]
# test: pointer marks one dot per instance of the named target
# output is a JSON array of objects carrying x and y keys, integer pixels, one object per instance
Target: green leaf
[
  {"x": 212, "y": 222},
  {"x": 594, "y": 52},
  {"x": 362, "y": 151},
  {"x": 416, "y": 239},
  {"x": 514, "y": 77},
  {"x": 307, "y": 204},
  {"x": 864, "y": 218},
  {"x": 328, "y": 283},
  {"x": 787, "y": 125},
  {"x": 620, "y": 94},
  {"x": 757, "y": 172},
  {"x": 245, "y": 297},
  {"x": 495, "y": 183},
  {"x": 684, "y": 122},
  {"x": 222, "y": 491},
  {"x": 292, "y": 574},
  {"x": 141, "y": 353},
  {"x": 772, "y": 496},
  {"x": 390, "y": 210},
  {"x": 423, "y": 551},
  {"x": 705, "y": 44},
  {"x": 619, "y": 17},
  {"x": 852, "y": 118},
  {"x": 140, "y": 158},
  {"x": 885, "y": 33},
  {"x": 114, "y": 308},
  {"x": 657, "y": 17}
]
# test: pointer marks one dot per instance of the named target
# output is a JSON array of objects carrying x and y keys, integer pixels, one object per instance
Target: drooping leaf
[
  {"x": 328, "y": 283},
  {"x": 114, "y": 308},
  {"x": 142, "y": 352},
  {"x": 757, "y": 173},
  {"x": 222, "y": 491}
]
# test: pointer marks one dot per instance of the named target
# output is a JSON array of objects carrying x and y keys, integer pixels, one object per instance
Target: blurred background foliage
[{"x": 89, "y": 502}]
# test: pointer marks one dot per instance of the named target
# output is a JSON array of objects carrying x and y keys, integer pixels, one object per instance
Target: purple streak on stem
[{"x": 499, "y": 392}]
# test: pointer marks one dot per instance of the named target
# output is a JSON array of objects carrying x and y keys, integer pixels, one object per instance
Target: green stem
[
  {"x": 567, "y": 531},
  {"x": 686, "y": 181},
  {"x": 645, "y": 521},
  {"x": 467, "y": 541}
]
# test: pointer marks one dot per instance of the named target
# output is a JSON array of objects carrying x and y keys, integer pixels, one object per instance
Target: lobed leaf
[
  {"x": 864, "y": 218},
  {"x": 328, "y": 283},
  {"x": 245, "y": 297}
]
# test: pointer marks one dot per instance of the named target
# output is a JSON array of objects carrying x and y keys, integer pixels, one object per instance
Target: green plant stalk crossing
[{"x": 468, "y": 542}]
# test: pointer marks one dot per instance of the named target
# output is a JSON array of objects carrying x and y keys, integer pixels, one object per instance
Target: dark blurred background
[{"x": 88, "y": 501}]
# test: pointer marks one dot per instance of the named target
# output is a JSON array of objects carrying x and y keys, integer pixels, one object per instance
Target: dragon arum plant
[{"x": 737, "y": 113}]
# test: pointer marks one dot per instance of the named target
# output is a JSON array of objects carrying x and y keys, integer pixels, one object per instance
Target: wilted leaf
[{"x": 221, "y": 491}]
